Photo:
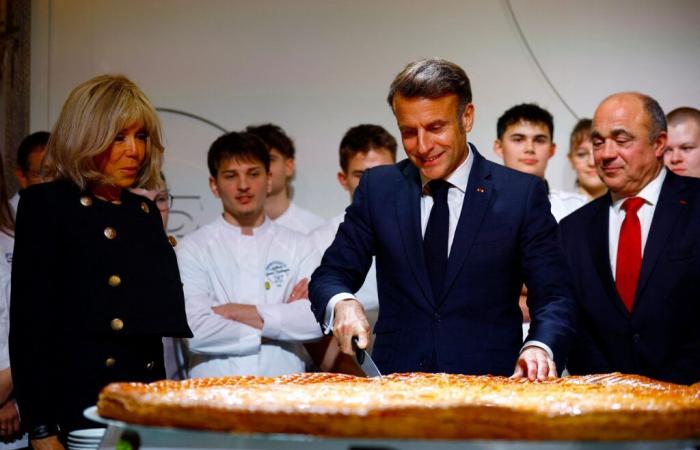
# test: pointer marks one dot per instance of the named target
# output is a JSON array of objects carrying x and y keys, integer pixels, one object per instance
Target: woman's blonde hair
[{"x": 94, "y": 113}]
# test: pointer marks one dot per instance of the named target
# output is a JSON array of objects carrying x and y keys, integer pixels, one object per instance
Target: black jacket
[{"x": 95, "y": 285}]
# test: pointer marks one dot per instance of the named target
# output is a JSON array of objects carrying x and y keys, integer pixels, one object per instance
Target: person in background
[
  {"x": 174, "y": 351},
  {"x": 682, "y": 154},
  {"x": 279, "y": 205},
  {"x": 361, "y": 148},
  {"x": 525, "y": 142},
  {"x": 455, "y": 236},
  {"x": 245, "y": 277},
  {"x": 30, "y": 154},
  {"x": 95, "y": 283},
  {"x": 633, "y": 252},
  {"x": 10, "y": 436},
  {"x": 588, "y": 183}
]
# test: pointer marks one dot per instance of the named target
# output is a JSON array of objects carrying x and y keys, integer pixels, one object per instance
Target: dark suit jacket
[
  {"x": 660, "y": 338},
  {"x": 64, "y": 343},
  {"x": 506, "y": 235}
]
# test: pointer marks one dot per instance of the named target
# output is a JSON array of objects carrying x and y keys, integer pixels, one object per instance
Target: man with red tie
[{"x": 635, "y": 252}]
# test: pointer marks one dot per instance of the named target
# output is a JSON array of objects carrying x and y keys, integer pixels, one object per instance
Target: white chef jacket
[
  {"x": 219, "y": 265},
  {"x": 299, "y": 219},
  {"x": 564, "y": 203},
  {"x": 323, "y": 237},
  {"x": 7, "y": 244}
]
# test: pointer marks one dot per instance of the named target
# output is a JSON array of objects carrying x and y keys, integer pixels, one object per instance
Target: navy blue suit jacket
[
  {"x": 506, "y": 235},
  {"x": 660, "y": 338}
]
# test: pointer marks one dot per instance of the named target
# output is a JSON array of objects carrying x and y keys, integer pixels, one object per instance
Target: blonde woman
[{"x": 95, "y": 283}]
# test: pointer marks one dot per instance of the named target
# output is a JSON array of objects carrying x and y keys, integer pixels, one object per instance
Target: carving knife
[{"x": 365, "y": 361}]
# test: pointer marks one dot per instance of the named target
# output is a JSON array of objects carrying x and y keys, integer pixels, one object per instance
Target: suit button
[
  {"x": 144, "y": 207},
  {"x": 110, "y": 233},
  {"x": 109, "y": 362},
  {"x": 114, "y": 280},
  {"x": 636, "y": 338},
  {"x": 85, "y": 200},
  {"x": 436, "y": 316},
  {"x": 150, "y": 365},
  {"x": 116, "y": 324}
]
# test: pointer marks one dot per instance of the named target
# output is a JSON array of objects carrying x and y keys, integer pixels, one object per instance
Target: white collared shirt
[{"x": 650, "y": 193}]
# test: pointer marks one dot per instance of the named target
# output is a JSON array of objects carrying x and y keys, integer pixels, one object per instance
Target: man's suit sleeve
[
  {"x": 550, "y": 293},
  {"x": 345, "y": 264}
]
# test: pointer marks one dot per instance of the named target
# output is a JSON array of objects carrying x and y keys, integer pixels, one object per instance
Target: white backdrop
[{"x": 318, "y": 67}]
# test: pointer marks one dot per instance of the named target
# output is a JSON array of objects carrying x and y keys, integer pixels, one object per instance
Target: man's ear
[
  {"x": 214, "y": 188},
  {"x": 660, "y": 144},
  {"x": 21, "y": 179},
  {"x": 468, "y": 118},
  {"x": 289, "y": 167},
  {"x": 552, "y": 150},
  {"x": 343, "y": 180},
  {"x": 269, "y": 182},
  {"x": 498, "y": 148}
]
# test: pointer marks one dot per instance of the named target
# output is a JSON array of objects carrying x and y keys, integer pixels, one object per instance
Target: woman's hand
[{"x": 49, "y": 443}]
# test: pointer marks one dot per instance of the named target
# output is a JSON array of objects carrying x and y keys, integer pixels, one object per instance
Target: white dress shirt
[
  {"x": 650, "y": 193},
  {"x": 299, "y": 219},
  {"x": 220, "y": 265}
]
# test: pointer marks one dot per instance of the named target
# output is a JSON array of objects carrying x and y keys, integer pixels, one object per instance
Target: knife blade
[{"x": 365, "y": 361}]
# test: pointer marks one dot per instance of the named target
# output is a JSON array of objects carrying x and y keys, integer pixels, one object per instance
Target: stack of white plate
[{"x": 87, "y": 439}]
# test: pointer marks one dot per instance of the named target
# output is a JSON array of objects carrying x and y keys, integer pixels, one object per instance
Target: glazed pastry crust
[{"x": 416, "y": 405}]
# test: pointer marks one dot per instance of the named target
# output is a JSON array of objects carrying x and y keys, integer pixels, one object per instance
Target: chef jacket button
[
  {"x": 636, "y": 338},
  {"x": 150, "y": 365},
  {"x": 114, "y": 280},
  {"x": 172, "y": 240},
  {"x": 109, "y": 362},
  {"x": 86, "y": 200},
  {"x": 116, "y": 324},
  {"x": 144, "y": 207},
  {"x": 110, "y": 233}
]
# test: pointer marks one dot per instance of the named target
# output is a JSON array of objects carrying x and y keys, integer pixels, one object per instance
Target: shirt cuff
[
  {"x": 272, "y": 321},
  {"x": 539, "y": 344},
  {"x": 330, "y": 310}
]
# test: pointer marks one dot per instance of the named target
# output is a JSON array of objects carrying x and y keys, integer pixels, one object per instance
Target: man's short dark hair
[
  {"x": 525, "y": 112},
  {"x": 432, "y": 78},
  {"x": 683, "y": 114},
  {"x": 362, "y": 139},
  {"x": 274, "y": 137},
  {"x": 237, "y": 145},
  {"x": 657, "y": 118},
  {"x": 35, "y": 141}
]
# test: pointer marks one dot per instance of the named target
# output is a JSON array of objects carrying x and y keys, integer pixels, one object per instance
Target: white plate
[{"x": 87, "y": 433}]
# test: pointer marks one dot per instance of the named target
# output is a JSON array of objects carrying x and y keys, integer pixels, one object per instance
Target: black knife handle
[{"x": 359, "y": 353}]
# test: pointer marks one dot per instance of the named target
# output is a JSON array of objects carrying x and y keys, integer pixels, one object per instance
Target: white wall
[{"x": 317, "y": 67}]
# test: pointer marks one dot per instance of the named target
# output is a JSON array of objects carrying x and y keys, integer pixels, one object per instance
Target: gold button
[
  {"x": 110, "y": 233},
  {"x": 109, "y": 362},
  {"x": 85, "y": 200},
  {"x": 172, "y": 240},
  {"x": 115, "y": 281},
  {"x": 150, "y": 365},
  {"x": 144, "y": 207},
  {"x": 117, "y": 324}
]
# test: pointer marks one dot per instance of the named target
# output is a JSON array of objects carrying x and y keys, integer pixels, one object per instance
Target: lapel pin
[
  {"x": 684, "y": 202},
  {"x": 480, "y": 190}
]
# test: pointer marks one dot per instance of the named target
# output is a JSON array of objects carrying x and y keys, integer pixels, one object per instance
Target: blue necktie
[{"x": 436, "y": 233}]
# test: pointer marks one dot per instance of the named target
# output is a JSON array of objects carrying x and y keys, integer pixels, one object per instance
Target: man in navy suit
[
  {"x": 635, "y": 253},
  {"x": 455, "y": 236}
]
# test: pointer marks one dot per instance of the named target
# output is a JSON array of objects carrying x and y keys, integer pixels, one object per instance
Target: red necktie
[{"x": 629, "y": 252}]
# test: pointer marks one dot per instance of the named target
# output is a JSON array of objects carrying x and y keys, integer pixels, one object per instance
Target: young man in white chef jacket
[{"x": 244, "y": 276}]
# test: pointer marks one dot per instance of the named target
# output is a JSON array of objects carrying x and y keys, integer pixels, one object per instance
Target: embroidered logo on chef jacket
[{"x": 275, "y": 273}]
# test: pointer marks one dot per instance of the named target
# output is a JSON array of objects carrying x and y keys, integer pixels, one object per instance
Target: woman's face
[
  {"x": 582, "y": 162},
  {"x": 122, "y": 160}
]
